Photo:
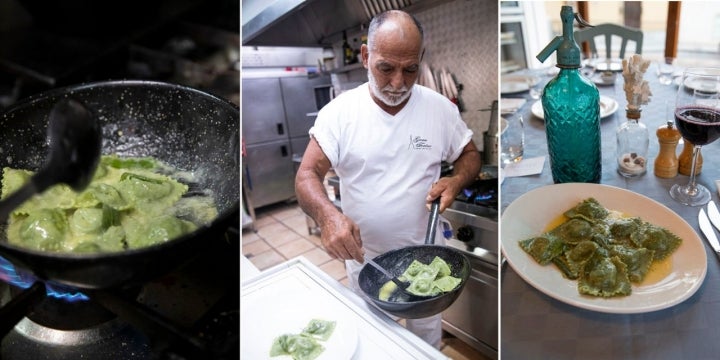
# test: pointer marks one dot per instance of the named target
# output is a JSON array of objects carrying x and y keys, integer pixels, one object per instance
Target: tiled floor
[{"x": 280, "y": 233}]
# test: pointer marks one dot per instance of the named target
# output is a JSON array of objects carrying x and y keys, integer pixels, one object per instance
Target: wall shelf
[{"x": 347, "y": 68}]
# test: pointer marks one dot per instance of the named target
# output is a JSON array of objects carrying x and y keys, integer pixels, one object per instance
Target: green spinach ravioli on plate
[
  {"x": 131, "y": 203},
  {"x": 603, "y": 250}
]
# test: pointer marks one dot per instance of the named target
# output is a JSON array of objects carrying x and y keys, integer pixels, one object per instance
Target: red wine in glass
[{"x": 698, "y": 124}]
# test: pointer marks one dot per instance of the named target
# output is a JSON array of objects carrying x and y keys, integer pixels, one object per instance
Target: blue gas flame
[{"x": 12, "y": 276}]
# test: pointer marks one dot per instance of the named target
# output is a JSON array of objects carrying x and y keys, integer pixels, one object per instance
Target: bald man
[{"x": 386, "y": 140}]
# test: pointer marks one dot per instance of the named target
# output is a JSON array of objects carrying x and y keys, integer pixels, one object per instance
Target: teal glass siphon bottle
[{"x": 571, "y": 105}]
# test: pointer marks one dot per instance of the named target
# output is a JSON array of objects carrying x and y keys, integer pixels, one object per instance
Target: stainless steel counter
[{"x": 370, "y": 334}]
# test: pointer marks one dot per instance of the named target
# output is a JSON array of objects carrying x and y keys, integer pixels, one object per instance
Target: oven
[
  {"x": 473, "y": 229},
  {"x": 190, "y": 311}
]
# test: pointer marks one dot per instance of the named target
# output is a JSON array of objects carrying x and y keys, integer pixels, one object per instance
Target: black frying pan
[
  {"x": 187, "y": 128},
  {"x": 396, "y": 261}
]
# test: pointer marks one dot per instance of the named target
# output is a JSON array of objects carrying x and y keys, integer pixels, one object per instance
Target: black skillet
[
  {"x": 185, "y": 127},
  {"x": 396, "y": 261}
]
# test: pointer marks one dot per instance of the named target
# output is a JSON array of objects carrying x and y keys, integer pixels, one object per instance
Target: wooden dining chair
[{"x": 608, "y": 31}]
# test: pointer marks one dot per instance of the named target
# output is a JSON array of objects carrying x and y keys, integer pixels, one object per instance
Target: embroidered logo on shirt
[{"x": 419, "y": 143}]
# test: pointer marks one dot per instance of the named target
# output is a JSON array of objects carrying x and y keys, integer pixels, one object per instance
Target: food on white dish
[
  {"x": 305, "y": 345},
  {"x": 602, "y": 249}
]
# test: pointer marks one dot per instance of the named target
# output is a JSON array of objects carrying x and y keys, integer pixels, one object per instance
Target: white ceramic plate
[
  {"x": 530, "y": 213},
  {"x": 512, "y": 84},
  {"x": 692, "y": 84},
  {"x": 696, "y": 84},
  {"x": 608, "y": 106},
  {"x": 608, "y": 65},
  {"x": 285, "y": 309},
  {"x": 598, "y": 80}
]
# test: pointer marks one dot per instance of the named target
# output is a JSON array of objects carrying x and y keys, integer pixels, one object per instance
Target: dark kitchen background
[
  {"x": 45, "y": 45},
  {"x": 190, "y": 312}
]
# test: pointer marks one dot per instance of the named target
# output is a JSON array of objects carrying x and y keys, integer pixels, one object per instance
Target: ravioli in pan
[{"x": 604, "y": 250}]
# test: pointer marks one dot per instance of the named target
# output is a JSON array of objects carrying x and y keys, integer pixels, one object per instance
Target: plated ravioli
[{"x": 603, "y": 250}]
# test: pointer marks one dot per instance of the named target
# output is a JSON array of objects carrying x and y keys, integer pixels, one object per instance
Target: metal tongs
[{"x": 402, "y": 286}]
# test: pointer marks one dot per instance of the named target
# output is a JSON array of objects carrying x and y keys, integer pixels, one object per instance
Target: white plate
[
  {"x": 530, "y": 213},
  {"x": 608, "y": 106},
  {"x": 512, "y": 84},
  {"x": 690, "y": 83},
  {"x": 696, "y": 84},
  {"x": 287, "y": 308},
  {"x": 608, "y": 65},
  {"x": 598, "y": 80}
]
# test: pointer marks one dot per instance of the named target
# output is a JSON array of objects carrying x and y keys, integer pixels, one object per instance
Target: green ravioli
[
  {"x": 604, "y": 253},
  {"x": 130, "y": 203}
]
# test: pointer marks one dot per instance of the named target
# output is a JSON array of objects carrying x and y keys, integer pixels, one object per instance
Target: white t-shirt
[{"x": 387, "y": 163}]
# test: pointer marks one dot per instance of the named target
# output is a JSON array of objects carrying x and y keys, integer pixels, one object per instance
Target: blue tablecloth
[{"x": 535, "y": 326}]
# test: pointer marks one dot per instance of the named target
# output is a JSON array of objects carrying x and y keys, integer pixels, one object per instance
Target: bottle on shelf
[
  {"x": 356, "y": 50},
  {"x": 571, "y": 105},
  {"x": 348, "y": 53}
]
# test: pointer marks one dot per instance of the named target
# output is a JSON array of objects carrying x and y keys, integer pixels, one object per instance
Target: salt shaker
[{"x": 666, "y": 163}]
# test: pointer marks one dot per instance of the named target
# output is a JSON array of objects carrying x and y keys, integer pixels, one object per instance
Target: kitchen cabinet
[
  {"x": 263, "y": 117},
  {"x": 269, "y": 172},
  {"x": 302, "y": 98},
  {"x": 277, "y": 113}
]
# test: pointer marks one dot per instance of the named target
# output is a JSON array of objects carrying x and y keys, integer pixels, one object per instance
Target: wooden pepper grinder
[
  {"x": 666, "y": 163},
  {"x": 685, "y": 159}
]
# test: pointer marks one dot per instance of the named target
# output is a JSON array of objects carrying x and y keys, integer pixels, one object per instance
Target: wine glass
[{"x": 697, "y": 117}]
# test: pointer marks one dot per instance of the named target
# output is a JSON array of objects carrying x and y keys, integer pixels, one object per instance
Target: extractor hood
[{"x": 313, "y": 23}]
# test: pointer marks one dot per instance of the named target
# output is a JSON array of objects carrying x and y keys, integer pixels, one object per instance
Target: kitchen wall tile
[
  {"x": 317, "y": 256},
  {"x": 335, "y": 268},
  {"x": 282, "y": 214},
  {"x": 255, "y": 247},
  {"x": 249, "y": 236},
  {"x": 277, "y": 234},
  {"x": 297, "y": 223},
  {"x": 264, "y": 220},
  {"x": 315, "y": 239},
  {"x": 295, "y": 247},
  {"x": 267, "y": 259},
  {"x": 462, "y": 36}
]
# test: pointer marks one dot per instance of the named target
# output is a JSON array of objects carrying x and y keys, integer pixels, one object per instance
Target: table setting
[{"x": 674, "y": 311}]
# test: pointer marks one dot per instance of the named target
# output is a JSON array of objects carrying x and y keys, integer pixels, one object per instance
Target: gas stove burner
[
  {"x": 482, "y": 193},
  {"x": 188, "y": 313},
  {"x": 30, "y": 340},
  {"x": 57, "y": 313},
  {"x": 23, "y": 280}
]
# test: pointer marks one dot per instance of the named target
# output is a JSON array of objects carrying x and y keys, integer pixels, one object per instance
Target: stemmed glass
[{"x": 697, "y": 116}]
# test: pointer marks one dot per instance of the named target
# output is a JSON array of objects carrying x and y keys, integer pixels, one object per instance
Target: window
[{"x": 699, "y": 29}]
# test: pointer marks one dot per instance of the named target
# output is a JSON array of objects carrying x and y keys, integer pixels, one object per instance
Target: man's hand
[
  {"x": 341, "y": 238},
  {"x": 465, "y": 170},
  {"x": 447, "y": 189}
]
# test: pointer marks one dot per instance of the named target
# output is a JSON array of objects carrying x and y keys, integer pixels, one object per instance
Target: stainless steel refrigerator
[{"x": 277, "y": 113}]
